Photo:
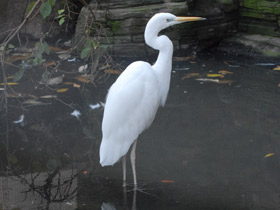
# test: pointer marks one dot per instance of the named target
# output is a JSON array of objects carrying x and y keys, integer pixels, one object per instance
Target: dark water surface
[{"x": 213, "y": 146}]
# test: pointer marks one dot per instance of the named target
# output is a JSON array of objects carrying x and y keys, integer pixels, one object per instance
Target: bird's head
[{"x": 164, "y": 20}]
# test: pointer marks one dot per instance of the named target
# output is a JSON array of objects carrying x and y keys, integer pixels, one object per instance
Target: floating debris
[
  {"x": 182, "y": 69},
  {"x": 9, "y": 83},
  {"x": 225, "y": 72},
  {"x": 76, "y": 85},
  {"x": 34, "y": 102},
  {"x": 207, "y": 80},
  {"x": 71, "y": 60},
  {"x": 56, "y": 80},
  {"x": 83, "y": 68},
  {"x": 186, "y": 76},
  {"x": 95, "y": 106},
  {"x": 265, "y": 64},
  {"x": 277, "y": 68},
  {"x": 82, "y": 79},
  {"x": 76, "y": 113},
  {"x": 62, "y": 90},
  {"x": 181, "y": 58},
  {"x": 49, "y": 96},
  {"x": 215, "y": 75},
  {"x": 231, "y": 65},
  {"x": 167, "y": 181},
  {"x": 269, "y": 155},
  {"x": 112, "y": 71},
  {"x": 64, "y": 56},
  {"x": 21, "y": 118}
]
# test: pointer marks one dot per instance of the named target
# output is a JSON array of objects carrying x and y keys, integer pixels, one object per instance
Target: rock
[
  {"x": 12, "y": 14},
  {"x": 125, "y": 21},
  {"x": 260, "y": 17},
  {"x": 251, "y": 45}
]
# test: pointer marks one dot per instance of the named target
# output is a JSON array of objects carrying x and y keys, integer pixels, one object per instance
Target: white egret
[{"x": 134, "y": 98}]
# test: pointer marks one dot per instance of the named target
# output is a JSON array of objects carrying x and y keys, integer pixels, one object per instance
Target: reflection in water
[
  {"x": 56, "y": 190},
  {"x": 211, "y": 139},
  {"x": 106, "y": 206}
]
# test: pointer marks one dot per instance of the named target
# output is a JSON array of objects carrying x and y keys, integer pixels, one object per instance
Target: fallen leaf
[
  {"x": 112, "y": 71},
  {"x": 62, "y": 90},
  {"x": 34, "y": 102},
  {"x": 231, "y": 65},
  {"x": 207, "y": 80},
  {"x": 226, "y": 81},
  {"x": 215, "y": 75},
  {"x": 277, "y": 68},
  {"x": 49, "y": 96},
  {"x": 269, "y": 155},
  {"x": 18, "y": 57},
  {"x": 105, "y": 67},
  {"x": 186, "y": 76},
  {"x": 64, "y": 56},
  {"x": 83, "y": 68},
  {"x": 82, "y": 79},
  {"x": 181, "y": 58},
  {"x": 192, "y": 62},
  {"x": 76, "y": 85},
  {"x": 225, "y": 72},
  {"x": 265, "y": 64},
  {"x": 55, "y": 49},
  {"x": 56, "y": 80},
  {"x": 167, "y": 181},
  {"x": 52, "y": 63},
  {"x": 9, "y": 83}
]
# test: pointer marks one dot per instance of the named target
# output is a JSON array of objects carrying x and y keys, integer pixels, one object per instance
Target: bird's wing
[{"x": 130, "y": 108}]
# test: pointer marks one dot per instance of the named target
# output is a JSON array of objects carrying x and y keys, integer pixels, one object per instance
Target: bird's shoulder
[{"x": 137, "y": 72}]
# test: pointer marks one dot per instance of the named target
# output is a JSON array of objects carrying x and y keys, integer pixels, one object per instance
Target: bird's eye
[{"x": 168, "y": 20}]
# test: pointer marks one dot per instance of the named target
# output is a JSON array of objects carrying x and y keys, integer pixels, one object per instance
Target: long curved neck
[{"x": 163, "y": 65}]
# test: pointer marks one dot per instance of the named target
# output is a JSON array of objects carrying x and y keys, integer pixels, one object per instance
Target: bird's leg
[
  {"x": 132, "y": 159},
  {"x": 124, "y": 170}
]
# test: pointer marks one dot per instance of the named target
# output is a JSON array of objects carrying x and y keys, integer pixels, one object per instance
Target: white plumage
[{"x": 134, "y": 98}]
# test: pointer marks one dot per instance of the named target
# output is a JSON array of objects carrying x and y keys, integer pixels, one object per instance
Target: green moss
[
  {"x": 271, "y": 53},
  {"x": 115, "y": 25},
  {"x": 266, "y": 6},
  {"x": 252, "y": 4},
  {"x": 255, "y": 14}
]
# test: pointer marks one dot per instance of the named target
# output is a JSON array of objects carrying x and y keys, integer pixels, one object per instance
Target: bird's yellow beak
[{"x": 185, "y": 19}]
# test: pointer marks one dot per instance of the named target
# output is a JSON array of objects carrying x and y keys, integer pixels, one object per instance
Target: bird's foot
[{"x": 139, "y": 188}]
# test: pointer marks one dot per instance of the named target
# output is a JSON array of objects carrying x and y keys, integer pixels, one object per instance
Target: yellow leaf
[
  {"x": 181, "y": 58},
  {"x": 10, "y": 83},
  {"x": 269, "y": 154},
  {"x": 186, "y": 76},
  {"x": 76, "y": 85},
  {"x": 112, "y": 71},
  {"x": 192, "y": 62},
  {"x": 225, "y": 72},
  {"x": 215, "y": 75},
  {"x": 83, "y": 79},
  {"x": 277, "y": 68},
  {"x": 62, "y": 90},
  {"x": 10, "y": 77}
]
